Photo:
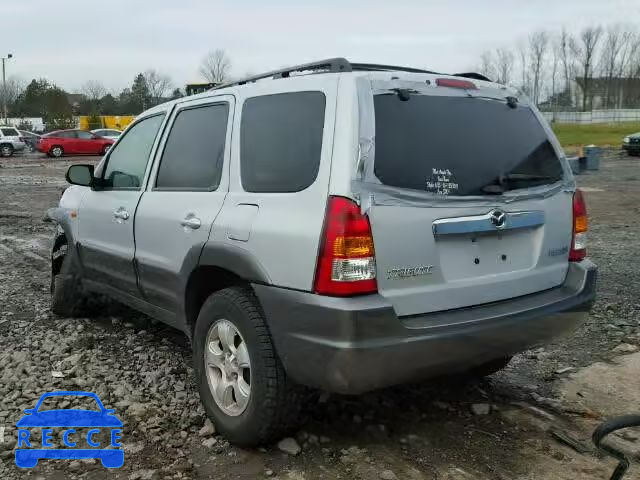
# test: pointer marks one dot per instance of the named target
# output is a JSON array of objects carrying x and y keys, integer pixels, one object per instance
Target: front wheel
[
  {"x": 66, "y": 292},
  {"x": 105, "y": 149},
  {"x": 242, "y": 383},
  {"x": 6, "y": 150}
]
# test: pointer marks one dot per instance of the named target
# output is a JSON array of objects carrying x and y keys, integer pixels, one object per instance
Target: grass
[{"x": 601, "y": 134}]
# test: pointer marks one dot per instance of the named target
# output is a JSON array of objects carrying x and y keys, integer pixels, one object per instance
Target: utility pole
[{"x": 4, "y": 89}]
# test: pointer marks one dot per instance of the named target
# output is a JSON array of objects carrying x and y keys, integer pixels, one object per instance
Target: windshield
[{"x": 460, "y": 145}]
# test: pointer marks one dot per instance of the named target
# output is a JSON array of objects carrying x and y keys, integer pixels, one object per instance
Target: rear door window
[
  {"x": 281, "y": 141},
  {"x": 10, "y": 132},
  {"x": 194, "y": 152},
  {"x": 460, "y": 145}
]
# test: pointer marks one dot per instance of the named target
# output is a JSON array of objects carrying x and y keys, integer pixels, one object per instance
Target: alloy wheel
[{"x": 228, "y": 367}]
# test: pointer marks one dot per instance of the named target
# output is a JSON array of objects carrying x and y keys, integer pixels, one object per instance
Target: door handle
[
  {"x": 191, "y": 221},
  {"x": 121, "y": 214}
]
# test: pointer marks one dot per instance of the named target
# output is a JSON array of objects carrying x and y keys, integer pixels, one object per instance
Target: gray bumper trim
[{"x": 353, "y": 345}]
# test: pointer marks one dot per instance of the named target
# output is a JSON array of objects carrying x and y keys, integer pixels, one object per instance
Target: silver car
[
  {"x": 10, "y": 141},
  {"x": 332, "y": 226}
]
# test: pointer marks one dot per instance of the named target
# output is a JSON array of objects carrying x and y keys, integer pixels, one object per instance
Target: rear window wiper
[{"x": 504, "y": 182}]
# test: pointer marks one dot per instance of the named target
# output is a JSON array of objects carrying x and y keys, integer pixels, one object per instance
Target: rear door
[
  {"x": 185, "y": 194},
  {"x": 85, "y": 143},
  {"x": 456, "y": 229}
]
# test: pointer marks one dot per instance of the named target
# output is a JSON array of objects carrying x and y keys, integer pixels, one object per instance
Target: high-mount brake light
[{"x": 455, "y": 83}]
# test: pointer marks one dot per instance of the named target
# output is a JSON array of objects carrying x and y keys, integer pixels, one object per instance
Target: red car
[{"x": 73, "y": 142}]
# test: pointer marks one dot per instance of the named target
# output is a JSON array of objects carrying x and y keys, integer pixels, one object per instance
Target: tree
[
  {"x": 9, "y": 94},
  {"x": 215, "y": 66},
  {"x": 93, "y": 90},
  {"x": 504, "y": 60},
  {"x": 538, "y": 42},
  {"x": 585, "y": 51},
  {"x": 157, "y": 85},
  {"x": 524, "y": 68},
  {"x": 177, "y": 93},
  {"x": 109, "y": 105},
  {"x": 140, "y": 96},
  {"x": 566, "y": 48}
]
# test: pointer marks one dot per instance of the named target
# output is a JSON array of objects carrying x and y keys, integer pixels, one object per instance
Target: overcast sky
[{"x": 71, "y": 41}]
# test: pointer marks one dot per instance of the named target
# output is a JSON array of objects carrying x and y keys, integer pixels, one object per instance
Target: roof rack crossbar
[
  {"x": 333, "y": 65},
  {"x": 374, "y": 67}
]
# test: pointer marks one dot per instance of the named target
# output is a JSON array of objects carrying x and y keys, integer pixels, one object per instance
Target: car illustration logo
[
  {"x": 30, "y": 449},
  {"x": 498, "y": 218}
]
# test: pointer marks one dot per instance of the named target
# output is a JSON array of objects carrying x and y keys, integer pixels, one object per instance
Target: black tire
[
  {"x": 56, "y": 151},
  {"x": 67, "y": 297},
  {"x": 6, "y": 150},
  {"x": 275, "y": 403},
  {"x": 105, "y": 149},
  {"x": 489, "y": 368}
]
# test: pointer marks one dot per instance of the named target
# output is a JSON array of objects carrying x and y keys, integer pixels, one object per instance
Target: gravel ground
[{"x": 497, "y": 428}]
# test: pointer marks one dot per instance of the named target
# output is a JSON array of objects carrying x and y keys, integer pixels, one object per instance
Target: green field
[{"x": 602, "y": 134}]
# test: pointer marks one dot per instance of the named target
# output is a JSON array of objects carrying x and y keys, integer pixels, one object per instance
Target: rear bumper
[{"x": 353, "y": 345}]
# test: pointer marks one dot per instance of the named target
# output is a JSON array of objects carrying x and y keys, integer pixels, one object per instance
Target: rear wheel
[
  {"x": 56, "y": 151},
  {"x": 243, "y": 386},
  {"x": 6, "y": 150}
]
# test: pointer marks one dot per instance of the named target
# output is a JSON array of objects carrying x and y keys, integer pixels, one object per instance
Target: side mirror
[{"x": 80, "y": 175}]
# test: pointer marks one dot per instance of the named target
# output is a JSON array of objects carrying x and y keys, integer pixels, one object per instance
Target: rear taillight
[
  {"x": 346, "y": 262},
  {"x": 580, "y": 226}
]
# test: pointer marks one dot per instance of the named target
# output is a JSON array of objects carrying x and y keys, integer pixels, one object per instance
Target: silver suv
[
  {"x": 10, "y": 141},
  {"x": 339, "y": 226}
]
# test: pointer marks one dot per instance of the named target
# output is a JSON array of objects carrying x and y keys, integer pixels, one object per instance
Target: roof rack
[
  {"x": 374, "y": 67},
  {"x": 473, "y": 75},
  {"x": 337, "y": 65},
  {"x": 332, "y": 65}
]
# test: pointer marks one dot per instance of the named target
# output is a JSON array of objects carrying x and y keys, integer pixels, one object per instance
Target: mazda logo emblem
[{"x": 498, "y": 218}]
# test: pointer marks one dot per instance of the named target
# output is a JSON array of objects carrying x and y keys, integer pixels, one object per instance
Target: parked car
[
  {"x": 10, "y": 141},
  {"x": 631, "y": 144},
  {"x": 30, "y": 139},
  {"x": 296, "y": 257},
  {"x": 107, "y": 133},
  {"x": 73, "y": 142}
]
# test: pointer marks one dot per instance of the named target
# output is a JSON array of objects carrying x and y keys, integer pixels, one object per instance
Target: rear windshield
[{"x": 460, "y": 145}]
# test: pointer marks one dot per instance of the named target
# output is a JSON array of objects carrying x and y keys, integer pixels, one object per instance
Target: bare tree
[
  {"x": 567, "y": 47},
  {"x": 215, "y": 66},
  {"x": 614, "y": 41},
  {"x": 486, "y": 64},
  {"x": 93, "y": 90},
  {"x": 538, "y": 43},
  {"x": 525, "y": 79},
  {"x": 504, "y": 60},
  {"x": 158, "y": 85},
  {"x": 11, "y": 91},
  {"x": 585, "y": 51},
  {"x": 556, "y": 56}
]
